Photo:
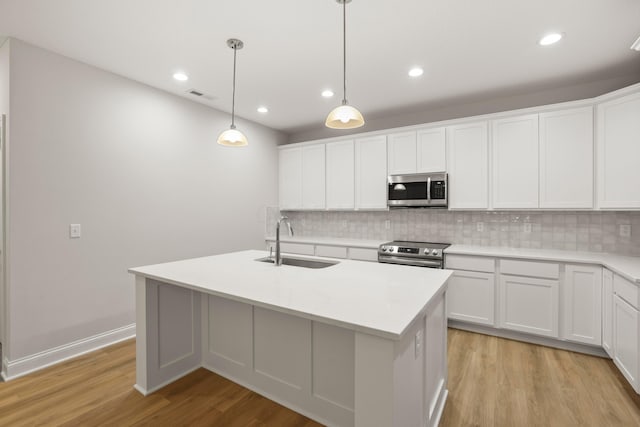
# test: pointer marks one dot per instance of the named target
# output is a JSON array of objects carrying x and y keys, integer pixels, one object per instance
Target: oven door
[{"x": 430, "y": 263}]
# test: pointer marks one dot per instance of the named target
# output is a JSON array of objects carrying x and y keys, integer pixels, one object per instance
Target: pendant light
[
  {"x": 233, "y": 137},
  {"x": 345, "y": 116}
]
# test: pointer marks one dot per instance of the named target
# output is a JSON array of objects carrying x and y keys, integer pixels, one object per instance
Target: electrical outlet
[
  {"x": 387, "y": 224},
  {"x": 480, "y": 226},
  {"x": 625, "y": 230},
  {"x": 344, "y": 223},
  {"x": 527, "y": 227},
  {"x": 75, "y": 231},
  {"x": 418, "y": 343}
]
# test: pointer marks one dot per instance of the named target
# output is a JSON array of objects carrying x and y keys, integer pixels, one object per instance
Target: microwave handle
[{"x": 429, "y": 188}]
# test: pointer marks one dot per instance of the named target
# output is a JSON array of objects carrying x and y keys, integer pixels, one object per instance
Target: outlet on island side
[{"x": 418, "y": 344}]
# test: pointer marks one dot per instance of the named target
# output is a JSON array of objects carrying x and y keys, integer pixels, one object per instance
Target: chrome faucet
[{"x": 278, "y": 260}]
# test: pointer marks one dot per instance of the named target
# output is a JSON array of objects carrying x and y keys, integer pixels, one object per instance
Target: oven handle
[{"x": 413, "y": 261}]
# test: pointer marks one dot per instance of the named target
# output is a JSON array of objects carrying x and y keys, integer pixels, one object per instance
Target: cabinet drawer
[
  {"x": 296, "y": 248},
  {"x": 626, "y": 290},
  {"x": 331, "y": 251},
  {"x": 530, "y": 268},
  {"x": 363, "y": 254},
  {"x": 470, "y": 263}
]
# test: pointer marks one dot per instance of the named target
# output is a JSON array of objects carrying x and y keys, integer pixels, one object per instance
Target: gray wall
[
  {"x": 4, "y": 109},
  {"x": 477, "y": 105},
  {"x": 139, "y": 169}
]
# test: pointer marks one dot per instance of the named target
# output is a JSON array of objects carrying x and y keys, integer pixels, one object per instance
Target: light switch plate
[
  {"x": 75, "y": 231},
  {"x": 625, "y": 230},
  {"x": 527, "y": 227},
  {"x": 387, "y": 224}
]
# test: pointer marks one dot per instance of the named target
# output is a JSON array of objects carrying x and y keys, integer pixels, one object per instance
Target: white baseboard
[{"x": 12, "y": 369}]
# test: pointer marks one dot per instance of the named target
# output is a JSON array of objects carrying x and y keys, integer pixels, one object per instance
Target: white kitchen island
[{"x": 354, "y": 344}]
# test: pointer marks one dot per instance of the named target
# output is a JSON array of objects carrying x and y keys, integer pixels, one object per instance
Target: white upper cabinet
[
  {"x": 290, "y": 178},
  {"x": 566, "y": 159},
  {"x": 313, "y": 177},
  {"x": 515, "y": 162},
  {"x": 618, "y": 151},
  {"x": 417, "y": 152},
  {"x": 371, "y": 172},
  {"x": 468, "y": 165},
  {"x": 402, "y": 153},
  {"x": 431, "y": 146},
  {"x": 340, "y": 175}
]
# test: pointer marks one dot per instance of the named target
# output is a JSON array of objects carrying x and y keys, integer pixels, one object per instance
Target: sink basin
[{"x": 301, "y": 262}]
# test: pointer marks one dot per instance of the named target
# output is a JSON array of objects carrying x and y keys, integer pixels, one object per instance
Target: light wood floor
[{"x": 492, "y": 382}]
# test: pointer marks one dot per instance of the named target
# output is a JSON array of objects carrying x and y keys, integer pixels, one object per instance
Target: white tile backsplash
[{"x": 575, "y": 231}]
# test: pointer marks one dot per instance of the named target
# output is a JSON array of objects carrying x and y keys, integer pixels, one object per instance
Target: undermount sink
[{"x": 301, "y": 262}]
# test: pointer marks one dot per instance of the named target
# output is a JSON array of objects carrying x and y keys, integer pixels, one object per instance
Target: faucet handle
[
  {"x": 290, "y": 228},
  {"x": 270, "y": 251}
]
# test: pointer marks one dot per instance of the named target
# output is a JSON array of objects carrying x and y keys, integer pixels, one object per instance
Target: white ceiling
[{"x": 293, "y": 48}]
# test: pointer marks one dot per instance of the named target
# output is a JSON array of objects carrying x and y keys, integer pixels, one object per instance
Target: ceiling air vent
[
  {"x": 199, "y": 94},
  {"x": 636, "y": 45}
]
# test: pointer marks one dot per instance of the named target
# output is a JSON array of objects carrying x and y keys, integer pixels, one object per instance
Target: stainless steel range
[{"x": 421, "y": 254}]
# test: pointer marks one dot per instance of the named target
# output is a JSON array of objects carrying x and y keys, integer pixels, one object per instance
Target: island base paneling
[{"x": 334, "y": 375}]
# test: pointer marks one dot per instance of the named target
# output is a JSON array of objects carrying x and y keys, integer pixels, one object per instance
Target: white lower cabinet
[
  {"x": 607, "y": 311},
  {"x": 582, "y": 292},
  {"x": 471, "y": 296},
  {"x": 625, "y": 340},
  {"x": 529, "y": 304},
  {"x": 626, "y": 329}
]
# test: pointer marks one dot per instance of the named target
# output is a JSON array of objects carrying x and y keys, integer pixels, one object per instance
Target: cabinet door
[
  {"x": 471, "y": 296},
  {"x": 515, "y": 162},
  {"x": 625, "y": 340},
  {"x": 583, "y": 304},
  {"x": 290, "y": 178},
  {"x": 607, "y": 311},
  {"x": 468, "y": 163},
  {"x": 431, "y": 147},
  {"x": 618, "y": 153},
  {"x": 340, "y": 175},
  {"x": 371, "y": 173},
  {"x": 313, "y": 168},
  {"x": 566, "y": 159},
  {"x": 402, "y": 153},
  {"x": 529, "y": 305}
]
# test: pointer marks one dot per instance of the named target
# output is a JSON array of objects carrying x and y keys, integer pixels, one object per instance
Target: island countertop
[{"x": 379, "y": 299}]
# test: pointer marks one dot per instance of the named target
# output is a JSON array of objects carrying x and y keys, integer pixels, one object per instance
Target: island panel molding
[{"x": 315, "y": 341}]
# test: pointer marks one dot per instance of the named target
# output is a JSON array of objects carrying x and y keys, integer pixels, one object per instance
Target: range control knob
[
  {"x": 384, "y": 248},
  {"x": 434, "y": 252}
]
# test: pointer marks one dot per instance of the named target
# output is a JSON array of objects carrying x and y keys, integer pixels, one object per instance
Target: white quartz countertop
[
  {"x": 330, "y": 241},
  {"x": 626, "y": 266},
  {"x": 379, "y": 299}
]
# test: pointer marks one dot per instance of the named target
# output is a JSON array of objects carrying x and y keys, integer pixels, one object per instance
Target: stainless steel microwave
[{"x": 419, "y": 190}]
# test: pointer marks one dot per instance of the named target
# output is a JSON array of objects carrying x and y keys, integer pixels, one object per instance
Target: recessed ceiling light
[
  {"x": 327, "y": 93},
  {"x": 181, "y": 77},
  {"x": 263, "y": 110},
  {"x": 550, "y": 39},
  {"x": 416, "y": 72}
]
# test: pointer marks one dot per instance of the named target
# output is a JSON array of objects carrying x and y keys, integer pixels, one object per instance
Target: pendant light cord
[
  {"x": 233, "y": 96},
  {"x": 344, "y": 52}
]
